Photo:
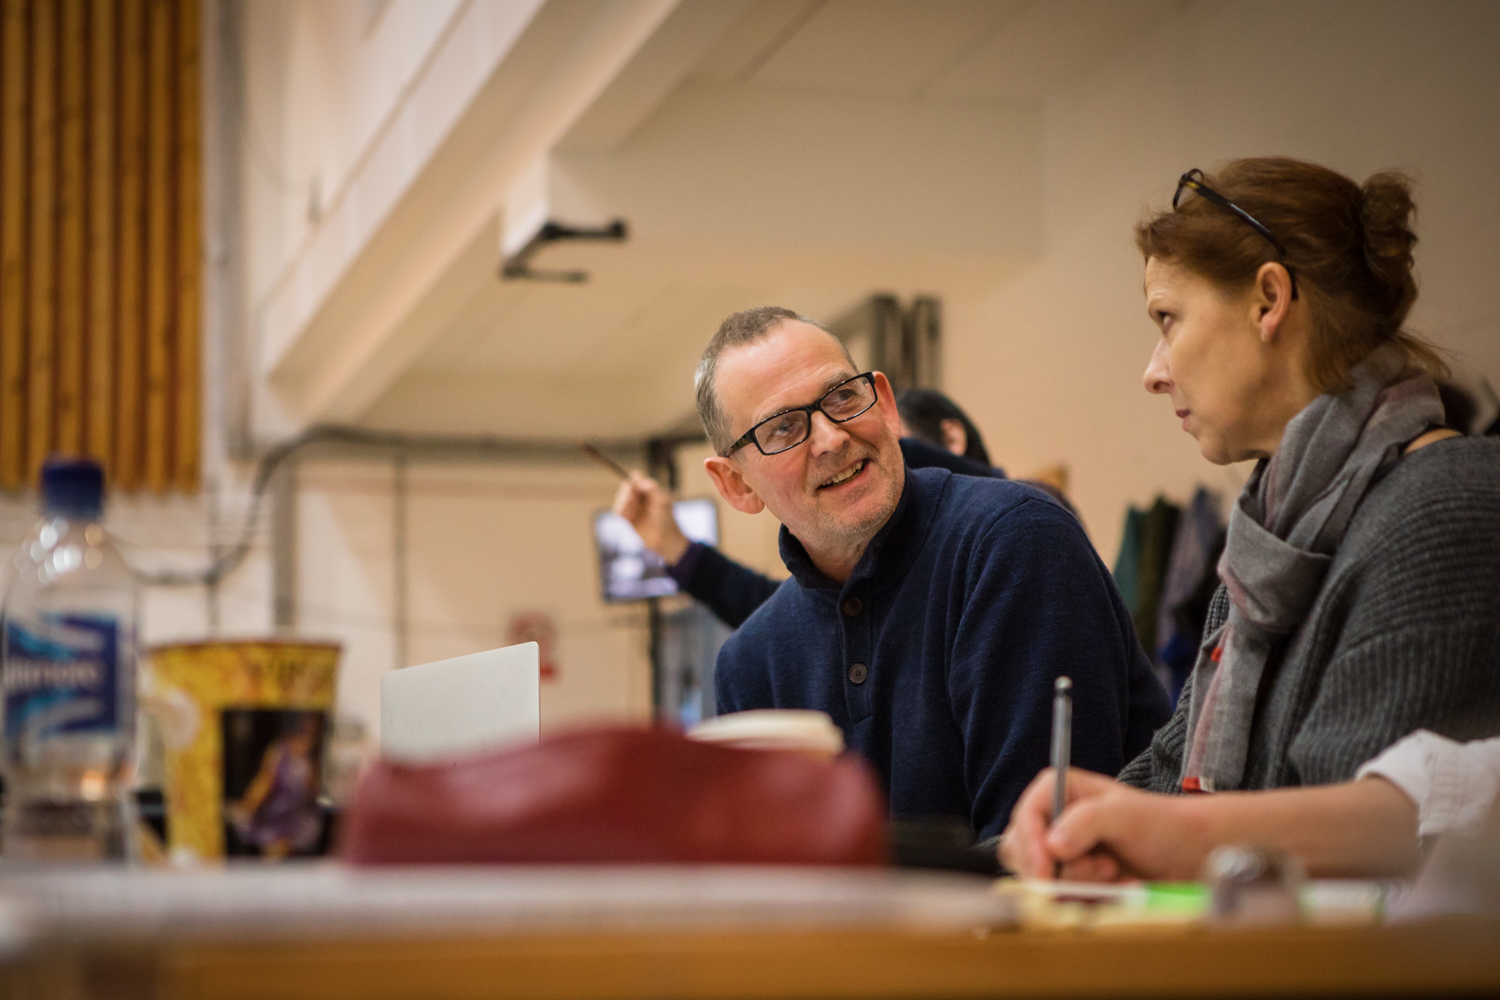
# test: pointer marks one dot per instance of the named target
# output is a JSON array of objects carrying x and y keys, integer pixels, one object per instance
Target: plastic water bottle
[{"x": 68, "y": 675}]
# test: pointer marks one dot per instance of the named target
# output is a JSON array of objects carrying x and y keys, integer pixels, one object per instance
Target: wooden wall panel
[
  {"x": 160, "y": 205},
  {"x": 41, "y": 252},
  {"x": 100, "y": 251},
  {"x": 72, "y": 178},
  {"x": 103, "y": 204},
  {"x": 15, "y": 83},
  {"x": 129, "y": 412},
  {"x": 188, "y": 376}
]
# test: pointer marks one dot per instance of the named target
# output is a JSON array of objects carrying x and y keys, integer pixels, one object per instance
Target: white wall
[
  {"x": 483, "y": 544},
  {"x": 1049, "y": 363}
]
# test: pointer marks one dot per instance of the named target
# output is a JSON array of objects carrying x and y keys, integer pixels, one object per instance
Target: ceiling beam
[{"x": 327, "y": 359}]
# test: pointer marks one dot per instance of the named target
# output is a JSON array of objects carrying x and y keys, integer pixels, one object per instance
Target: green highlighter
[{"x": 1323, "y": 902}]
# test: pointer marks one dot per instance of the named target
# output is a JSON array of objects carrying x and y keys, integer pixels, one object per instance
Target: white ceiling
[
  {"x": 643, "y": 317},
  {"x": 885, "y": 47},
  {"x": 589, "y": 331},
  {"x": 1046, "y": 46},
  {"x": 985, "y": 50}
]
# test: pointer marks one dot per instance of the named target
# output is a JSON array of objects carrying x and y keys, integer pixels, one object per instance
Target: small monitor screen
[{"x": 629, "y": 571}]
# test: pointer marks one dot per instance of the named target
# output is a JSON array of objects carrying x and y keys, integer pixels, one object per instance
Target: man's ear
[
  {"x": 1271, "y": 299},
  {"x": 730, "y": 482},
  {"x": 885, "y": 401}
]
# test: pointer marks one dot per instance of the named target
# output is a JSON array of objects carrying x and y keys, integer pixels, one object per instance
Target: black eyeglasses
[
  {"x": 1193, "y": 181},
  {"x": 789, "y": 428}
]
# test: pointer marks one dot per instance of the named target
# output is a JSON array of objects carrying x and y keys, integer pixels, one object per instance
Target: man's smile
[{"x": 846, "y": 475}]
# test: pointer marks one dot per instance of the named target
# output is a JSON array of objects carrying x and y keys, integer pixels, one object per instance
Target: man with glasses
[
  {"x": 927, "y": 613},
  {"x": 733, "y": 591}
]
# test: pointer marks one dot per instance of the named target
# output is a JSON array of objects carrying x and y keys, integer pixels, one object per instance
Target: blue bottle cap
[{"x": 73, "y": 488}]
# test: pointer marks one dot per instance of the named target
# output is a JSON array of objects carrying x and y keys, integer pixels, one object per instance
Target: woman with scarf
[{"x": 1360, "y": 583}]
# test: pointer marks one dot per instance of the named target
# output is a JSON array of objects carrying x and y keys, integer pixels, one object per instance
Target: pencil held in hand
[
  {"x": 1062, "y": 742},
  {"x": 604, "y": 460}
]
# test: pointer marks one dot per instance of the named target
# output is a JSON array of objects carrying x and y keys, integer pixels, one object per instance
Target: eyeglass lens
[{"x": 787, "y": 430}]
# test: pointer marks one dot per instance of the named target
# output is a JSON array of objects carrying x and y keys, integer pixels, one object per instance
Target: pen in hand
[{"x": 1062, "y": 749}]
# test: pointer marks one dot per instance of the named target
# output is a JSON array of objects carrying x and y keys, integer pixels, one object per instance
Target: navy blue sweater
[
  {"x": 733, "y": 591},
  {"x": 937, "y": 657}
]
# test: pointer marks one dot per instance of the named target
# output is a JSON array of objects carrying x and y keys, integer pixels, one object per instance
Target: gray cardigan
[{"x": 1404, "y": 635}]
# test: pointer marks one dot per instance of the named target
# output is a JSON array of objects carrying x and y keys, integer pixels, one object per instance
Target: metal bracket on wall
[{"x": 518, "y": 266}]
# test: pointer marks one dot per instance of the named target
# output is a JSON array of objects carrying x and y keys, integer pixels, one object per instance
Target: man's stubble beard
[{"x": 835, "y": 534}]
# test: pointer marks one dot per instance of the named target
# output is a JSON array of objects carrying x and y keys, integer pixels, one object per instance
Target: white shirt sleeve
[{"x": 1454, "y": 785}]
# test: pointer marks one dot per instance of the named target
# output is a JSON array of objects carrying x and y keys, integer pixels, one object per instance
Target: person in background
[
  {"x": 1374, "y": 826},
  {"x": 935, "y": 434},
  {"x": 928, "y": 613},
  {"x": 929, "y": 415},
  {"x": 1360, "y": 594},
  {"x": 930, "y": 419}
]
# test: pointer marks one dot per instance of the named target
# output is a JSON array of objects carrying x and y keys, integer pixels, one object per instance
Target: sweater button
[
  {"x": 853, "y": 606},
  {"x": 858, "y": 673}
]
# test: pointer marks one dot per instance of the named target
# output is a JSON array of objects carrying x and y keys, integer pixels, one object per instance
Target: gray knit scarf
[{"x": 1283, "y": 531}]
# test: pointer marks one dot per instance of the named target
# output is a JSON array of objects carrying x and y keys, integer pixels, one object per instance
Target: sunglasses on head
[{"x": 1193, "y": 181}]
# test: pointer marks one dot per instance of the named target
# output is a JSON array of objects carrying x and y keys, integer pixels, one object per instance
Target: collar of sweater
[{"x": 894, "y": 547}]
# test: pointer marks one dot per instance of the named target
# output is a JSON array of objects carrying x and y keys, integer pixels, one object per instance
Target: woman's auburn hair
[{"x": 1349, "y": 246}]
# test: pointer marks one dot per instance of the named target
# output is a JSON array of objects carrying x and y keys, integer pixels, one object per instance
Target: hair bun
[{"x": 1385, "y": 212}]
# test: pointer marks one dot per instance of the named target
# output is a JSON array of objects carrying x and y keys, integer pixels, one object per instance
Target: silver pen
[{"x": 1062, "y": 747}]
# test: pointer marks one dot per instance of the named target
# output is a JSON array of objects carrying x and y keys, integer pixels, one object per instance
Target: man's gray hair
[{"x": 741, "y": 328}]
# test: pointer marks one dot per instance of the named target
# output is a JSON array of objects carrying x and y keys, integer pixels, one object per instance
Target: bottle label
[{"x": 61, "y": 676}]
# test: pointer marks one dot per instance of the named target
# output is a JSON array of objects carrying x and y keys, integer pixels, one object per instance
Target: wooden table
[
  {"x": 1452, "y": 957},
  {"x": 612, "y": 954}
]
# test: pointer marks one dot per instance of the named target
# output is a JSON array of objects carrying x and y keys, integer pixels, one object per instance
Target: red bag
[{"x": 619, "y": 795}]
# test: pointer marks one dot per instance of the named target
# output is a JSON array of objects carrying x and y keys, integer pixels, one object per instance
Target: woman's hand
[
  {"x": 1108, "y": 832},
  {"x": 648, "y": 508},
  {"x": 1024, "y": 847}
]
